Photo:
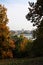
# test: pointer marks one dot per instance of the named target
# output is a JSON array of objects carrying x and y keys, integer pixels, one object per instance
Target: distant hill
[
  {"x": 20, "y": 32},
  {"x": 26, "y": 33}
]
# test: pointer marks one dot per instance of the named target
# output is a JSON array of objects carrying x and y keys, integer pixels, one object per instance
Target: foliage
[
  {"x": 22, "y": 46},
  {"x": 35, "y": 12},
  {"x": 35, "y": 15},
  {"x": 5, "y": 42}
]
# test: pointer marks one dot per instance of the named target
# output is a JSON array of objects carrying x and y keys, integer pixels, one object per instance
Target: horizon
[{"x": 16, "y": 12}]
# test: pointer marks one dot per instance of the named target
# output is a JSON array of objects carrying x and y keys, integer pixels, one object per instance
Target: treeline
[
  {"x": 21, "y": 47},
  {"x": 26, "y": 47}
]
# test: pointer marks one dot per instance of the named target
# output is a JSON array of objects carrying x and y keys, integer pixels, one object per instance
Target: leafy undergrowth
[{"x": 22, "y": 61}]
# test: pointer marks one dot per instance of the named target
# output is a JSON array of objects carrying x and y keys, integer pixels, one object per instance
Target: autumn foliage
[
  {"x": 18, "y": 46},
  {"x": 5, "y": 42}
]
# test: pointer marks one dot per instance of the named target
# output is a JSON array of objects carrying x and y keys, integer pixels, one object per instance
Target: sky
[{"x": 16, "y": 12}]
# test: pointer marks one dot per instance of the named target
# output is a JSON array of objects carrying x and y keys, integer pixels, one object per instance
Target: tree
[
  {"x": 35, "y": 15},
  {"x": 5, "y": 41},
  {"x": 35, "y": 12}
]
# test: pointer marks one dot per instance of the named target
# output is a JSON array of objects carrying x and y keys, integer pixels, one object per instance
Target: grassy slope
[{"x": 32, "y": 61}]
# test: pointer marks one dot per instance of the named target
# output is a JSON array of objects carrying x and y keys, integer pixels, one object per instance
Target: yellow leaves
[
  {"x": 23, "y": 44},
  {"x": 7, "y": 54},
  {"x": 5, "y": 42},
  {"x": 4, "y": 31},
  {"x": 12, "y": 44},
  {"x": 4, "y": 54},
  {"x": 22, "y": 47},
  {"x": 3, "y": 27},
  {"x": 3, "y": 16}
]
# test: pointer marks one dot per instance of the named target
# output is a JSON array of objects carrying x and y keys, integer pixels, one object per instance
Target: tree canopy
[
  {"x": 35, "y": 15},
  {"x": 5, "y": 42}
]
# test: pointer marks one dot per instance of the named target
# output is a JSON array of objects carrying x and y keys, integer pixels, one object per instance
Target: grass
[{"x": 22, "y": 61}]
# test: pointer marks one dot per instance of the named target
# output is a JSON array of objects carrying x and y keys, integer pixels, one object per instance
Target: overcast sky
[{"x": 16, "y": 11}]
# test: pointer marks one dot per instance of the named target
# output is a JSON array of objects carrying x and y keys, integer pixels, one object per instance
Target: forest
[{"x": 21, "y": 47}]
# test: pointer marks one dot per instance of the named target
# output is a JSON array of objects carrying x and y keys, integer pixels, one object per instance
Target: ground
[{"x": 22, "y": 61}]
